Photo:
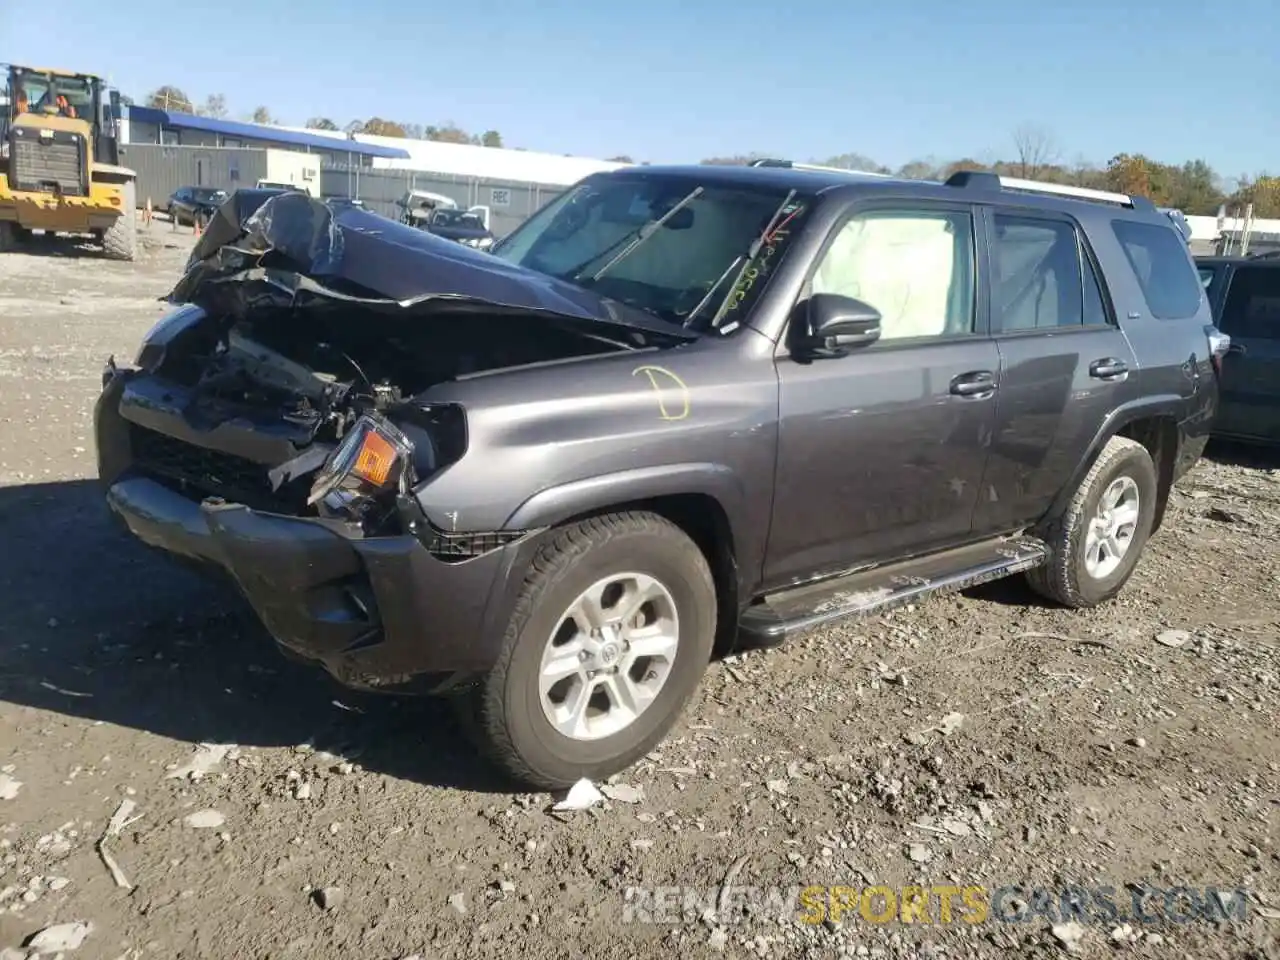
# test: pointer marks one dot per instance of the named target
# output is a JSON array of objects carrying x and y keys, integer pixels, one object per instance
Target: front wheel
[
  {"x": 10, "y": 236},
  {"x": 120, "y": 240},
  {"x": 608, "y": 641},
  {"x": 1095, "y": 544}
]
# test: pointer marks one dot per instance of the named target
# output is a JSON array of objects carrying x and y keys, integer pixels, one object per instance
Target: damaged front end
[{"x": 274, "y": 426}]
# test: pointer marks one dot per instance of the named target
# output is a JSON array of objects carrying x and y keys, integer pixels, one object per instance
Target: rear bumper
[{"x": 376, "y": 612}]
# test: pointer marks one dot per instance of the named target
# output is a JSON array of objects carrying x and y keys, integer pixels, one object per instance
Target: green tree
[
  {"x": 262, "y": 115},
  {"x": 1195, "y": 189},
  {"x": 491, "y": 138},
  {"x": 955, "y": 166},
  {"x": 377, "y": 127},
  {"x": 854, "y": 161},
  {"x": 321, "y": 123},
  {"x": 919, "y": 170},
  {"x": 169, "y": 97},
  {"x": 449, "y": 132},
  {"x": 1129, "y": 173},
  {"x": 738, "y": 160},
  {"x": 1263, "y": 192}
]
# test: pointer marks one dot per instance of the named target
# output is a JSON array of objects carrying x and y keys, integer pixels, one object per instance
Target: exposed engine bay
[{"x": 322, "y": 372}]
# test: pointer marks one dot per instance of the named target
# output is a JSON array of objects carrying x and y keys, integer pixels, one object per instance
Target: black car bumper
[{"x": 380, "y": 613}]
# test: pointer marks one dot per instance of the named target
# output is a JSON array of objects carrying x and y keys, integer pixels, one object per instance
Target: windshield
[
  {"x": 457, "y": 218},
  {"x": 48, "y": 93},
  {"x": 208, "y": 195},
  {"x": 694, "y": 266}
]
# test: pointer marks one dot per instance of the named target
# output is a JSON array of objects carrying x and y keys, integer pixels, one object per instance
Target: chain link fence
[{"x": 510, "y": 203}]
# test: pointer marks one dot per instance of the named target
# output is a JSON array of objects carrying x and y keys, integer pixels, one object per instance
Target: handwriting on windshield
[{"x": 760, "y": 267}]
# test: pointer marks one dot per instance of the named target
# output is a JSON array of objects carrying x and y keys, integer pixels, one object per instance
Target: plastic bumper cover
[{"x": 376, "y": 613}]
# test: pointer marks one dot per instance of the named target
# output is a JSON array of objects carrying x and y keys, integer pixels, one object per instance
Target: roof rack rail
[
  {"x": 982, "y": 180},
  {"x": 792, "y": 165}
]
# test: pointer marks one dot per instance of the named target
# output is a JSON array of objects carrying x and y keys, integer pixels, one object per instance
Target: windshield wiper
[
  {"x": 631, "y": 241},
  {"x": 742, "y": 259}
]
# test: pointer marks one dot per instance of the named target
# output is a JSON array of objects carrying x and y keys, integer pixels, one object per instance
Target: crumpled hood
[{"x": 282, "y": 249}]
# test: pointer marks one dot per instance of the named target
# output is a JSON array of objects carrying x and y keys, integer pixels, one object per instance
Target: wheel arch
[
  {"x": 704, "y": 500},
  {"x": 1152, "y": 422}
]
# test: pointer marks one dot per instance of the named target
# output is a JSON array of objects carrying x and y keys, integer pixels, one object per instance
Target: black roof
[
  {"x": 972, "y": 187},
  {"x": 784, "y": 178}
]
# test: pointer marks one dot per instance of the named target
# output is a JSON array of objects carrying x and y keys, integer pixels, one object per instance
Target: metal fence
[
  {"x": 163, "y": 169},
  {"x": 509, "y": 203}
]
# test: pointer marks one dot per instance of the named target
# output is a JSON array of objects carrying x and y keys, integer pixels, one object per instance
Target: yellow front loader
[{"x": 60, "y": 167}]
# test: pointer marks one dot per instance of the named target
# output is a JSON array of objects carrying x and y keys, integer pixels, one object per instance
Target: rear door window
[
  {"x": 1162, "y": 263},
  {"x": 1041, "y": 278},
  {"x": 1253, "y": 304}
]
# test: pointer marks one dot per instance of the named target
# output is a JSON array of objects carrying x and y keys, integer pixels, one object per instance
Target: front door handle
[
  {"x": 1109, "y": 368},
  {"x": 979, "y": 384}
]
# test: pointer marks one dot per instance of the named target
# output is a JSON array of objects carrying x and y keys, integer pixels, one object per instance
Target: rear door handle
[
  {"x": 979, "y": 384},
  {"x": 1108, "y": 368}
]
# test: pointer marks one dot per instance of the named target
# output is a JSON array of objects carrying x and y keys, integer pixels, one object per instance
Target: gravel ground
[{"x": 983, "y": 740}]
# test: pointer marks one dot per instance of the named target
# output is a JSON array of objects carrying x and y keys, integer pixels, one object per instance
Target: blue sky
[{"x": 679, "y": 80}]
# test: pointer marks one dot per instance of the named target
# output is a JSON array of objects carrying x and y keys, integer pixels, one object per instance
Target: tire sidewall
[
  {"x": 1136, "y": 464},
  {"x": 678, "y": 564}
]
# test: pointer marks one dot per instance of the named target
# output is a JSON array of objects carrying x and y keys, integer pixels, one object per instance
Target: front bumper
[{"x": 376, "y": 612}]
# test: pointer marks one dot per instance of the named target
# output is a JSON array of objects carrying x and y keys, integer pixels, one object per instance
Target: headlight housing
[
  {"x": 163, "y": 331},
  {"x": 373, "y": 458}
]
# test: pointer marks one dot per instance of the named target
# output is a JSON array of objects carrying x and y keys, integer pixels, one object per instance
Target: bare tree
[
  {"x": 215, "y": 105},
  {"x": 1037, "y": 149}
]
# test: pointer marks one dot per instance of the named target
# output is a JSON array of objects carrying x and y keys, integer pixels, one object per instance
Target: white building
[{"x": 467, "y": 160}]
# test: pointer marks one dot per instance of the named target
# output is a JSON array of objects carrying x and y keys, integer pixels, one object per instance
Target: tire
[
  {"x": 120, "y": 241},
  {"x": 1068, "y": 578},
  {"x": 505, "y": 711},
  {"x": 10, "y": 237}
]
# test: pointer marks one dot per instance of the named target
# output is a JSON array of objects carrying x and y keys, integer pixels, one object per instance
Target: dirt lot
[{"x": 983, "y": 740}]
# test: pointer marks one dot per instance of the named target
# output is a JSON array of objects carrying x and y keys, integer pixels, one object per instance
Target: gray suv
[{"x": 678, "y": 410}]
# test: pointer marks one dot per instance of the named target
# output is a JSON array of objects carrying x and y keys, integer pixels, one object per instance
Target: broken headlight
[
  {"x": 164, "y": 331},
  {"x": 374, "y": 458}
]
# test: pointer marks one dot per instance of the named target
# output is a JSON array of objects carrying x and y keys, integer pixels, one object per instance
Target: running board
[{"x": 779, "y": 615}]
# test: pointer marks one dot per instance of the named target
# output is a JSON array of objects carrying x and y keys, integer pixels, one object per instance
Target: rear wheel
[
  {"x": 120, "y": 240},
  {"x": 1095, "y": 544},
  {"x": 608, "y": 641}
]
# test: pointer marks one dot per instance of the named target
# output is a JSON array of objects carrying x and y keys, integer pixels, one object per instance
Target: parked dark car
[
  {"x": 1244, "y": 293},
  {"x": 338, "y": 204},
  {"x": 189, "y": 204},
  {"x": 464, "y": 226},
  {"x": 679, "y": 409}
]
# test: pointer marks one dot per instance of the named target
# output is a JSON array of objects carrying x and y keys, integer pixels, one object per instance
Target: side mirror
[{"x": 835, "y": 322}]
